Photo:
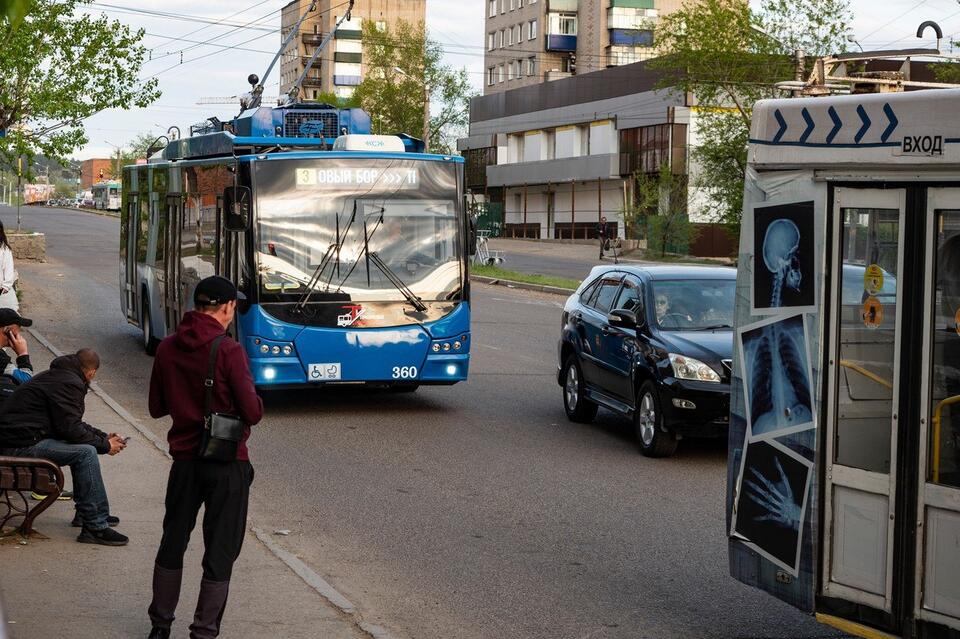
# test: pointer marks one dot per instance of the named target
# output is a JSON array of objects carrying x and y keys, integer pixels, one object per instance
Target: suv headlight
[{"x": 693, "y": 369}]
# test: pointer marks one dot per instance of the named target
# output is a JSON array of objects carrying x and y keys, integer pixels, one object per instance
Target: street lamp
[{"x": 426, "y": 105}]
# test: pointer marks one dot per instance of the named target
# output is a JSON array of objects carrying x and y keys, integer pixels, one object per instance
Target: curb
[
  {"x": 526, "y": 286},
  {"x": 317, "y": 583}
]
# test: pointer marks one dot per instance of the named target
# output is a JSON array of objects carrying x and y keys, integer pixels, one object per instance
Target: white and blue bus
[
  {"x": 351, "y": 248},
  {"x": 106, "y": 196}
]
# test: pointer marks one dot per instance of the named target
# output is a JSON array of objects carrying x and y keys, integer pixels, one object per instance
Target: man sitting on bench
[{"x": 44, "y": 418}]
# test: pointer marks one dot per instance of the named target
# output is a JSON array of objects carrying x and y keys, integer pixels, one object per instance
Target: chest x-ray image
[
  {"x": 783, "y": 265},
  {"x": 771, "y": 501},
  {"x": 776, "y": 377}
]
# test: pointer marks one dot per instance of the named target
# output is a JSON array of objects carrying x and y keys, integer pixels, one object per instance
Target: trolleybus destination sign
[{"x": 386, "y": 178}]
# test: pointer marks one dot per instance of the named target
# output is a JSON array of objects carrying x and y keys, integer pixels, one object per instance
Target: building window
[
  {"x": 500, "y": 39},
  {"x": 381, "y": 25},
  {"x": 519, "y": 4},
  {"x": 531, "y": 66},
  {"x": 491, "y": 76},
  {"x": 503, "y": 6},
  {"x": 512, "y": 7},
  {"x": 493, "y": 8},
  {"x": 532, "y": 30},
  {"x": 491, "y": 38},
  {"x": 510, "y": 37},
  {"x": 518, "y": 36},
  {"x": 510, "y": 71},
  {"x": 500, "y": 73},
  {"x": 567, "y": 24}
]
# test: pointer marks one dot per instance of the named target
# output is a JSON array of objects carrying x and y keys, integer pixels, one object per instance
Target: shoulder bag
[{"x": 221, "y": 433}]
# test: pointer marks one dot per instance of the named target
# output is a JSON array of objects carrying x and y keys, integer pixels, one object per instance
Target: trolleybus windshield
[{"x": 402, "y": 211}]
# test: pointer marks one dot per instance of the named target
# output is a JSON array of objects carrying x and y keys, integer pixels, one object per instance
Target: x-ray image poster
[
  {"x": 784, "y": 274},
  {"x": 777, "y": 377},
  {"x": 774, "y": 485}
]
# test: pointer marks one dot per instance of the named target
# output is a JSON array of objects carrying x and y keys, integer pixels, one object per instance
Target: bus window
[
  {"x": 944, "y": 466},
  {"x": 142, "y": 236},
  {"x": 156, "y": 242},
  {"x": 865, "y": 353}
]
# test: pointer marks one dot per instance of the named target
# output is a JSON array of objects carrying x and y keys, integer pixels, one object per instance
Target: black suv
[{"x": 652, "y": 343}]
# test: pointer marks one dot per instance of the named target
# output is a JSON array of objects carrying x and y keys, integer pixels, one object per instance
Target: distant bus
[{"x": 106, "y": 196}]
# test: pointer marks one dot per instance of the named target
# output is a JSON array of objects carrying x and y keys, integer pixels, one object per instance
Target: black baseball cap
[
  {"x": 8, "y": 316},
  {"x": 216, "y": 290}
]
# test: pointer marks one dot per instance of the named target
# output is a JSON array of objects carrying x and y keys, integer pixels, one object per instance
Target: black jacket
[{"x": 50, "y": 406}]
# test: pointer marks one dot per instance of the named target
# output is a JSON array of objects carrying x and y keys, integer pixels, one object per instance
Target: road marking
[
  {"x": 330, "y": 594},
  {"x": 493, "y": 348}
]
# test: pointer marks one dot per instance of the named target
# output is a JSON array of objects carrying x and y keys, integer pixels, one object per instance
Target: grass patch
[
  {"x": 528, "y": 278},
  {"x": 673, "y": 258}
]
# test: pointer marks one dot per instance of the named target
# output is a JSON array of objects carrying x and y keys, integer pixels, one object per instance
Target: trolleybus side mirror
[{"x": 236, "y": 203}]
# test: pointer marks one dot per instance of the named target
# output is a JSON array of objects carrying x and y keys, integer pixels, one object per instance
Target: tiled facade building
[
  {"x": 532, "y": 41},
  {"x": 339, "y": 68}
]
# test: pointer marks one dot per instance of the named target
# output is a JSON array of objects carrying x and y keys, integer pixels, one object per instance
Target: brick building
[{"x": 90, "y": 172}]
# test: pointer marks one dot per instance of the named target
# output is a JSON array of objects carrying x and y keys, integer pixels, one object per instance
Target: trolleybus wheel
[
  {"x": 150, "y": 342},
  {"x": 648, "y": 423}
]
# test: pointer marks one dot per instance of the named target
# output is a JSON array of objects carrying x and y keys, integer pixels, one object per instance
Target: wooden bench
[{"x": 20, "y": 476}]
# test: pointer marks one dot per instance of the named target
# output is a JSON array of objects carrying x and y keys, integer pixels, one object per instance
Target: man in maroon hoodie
[{"x": 177, "y": 389}]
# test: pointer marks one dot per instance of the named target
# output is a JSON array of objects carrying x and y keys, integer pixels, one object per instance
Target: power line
[{"x": 232, "y": 15}]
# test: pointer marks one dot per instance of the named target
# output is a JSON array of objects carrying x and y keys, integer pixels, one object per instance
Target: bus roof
[{"x": 912, "y": 129}]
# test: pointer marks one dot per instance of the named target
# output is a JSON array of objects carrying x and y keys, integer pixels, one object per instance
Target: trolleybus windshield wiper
[
  {"x": 315, "y": 278},
  {"x": 415, "y": 301}
]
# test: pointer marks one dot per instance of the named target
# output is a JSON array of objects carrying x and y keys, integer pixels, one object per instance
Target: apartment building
[
  {"x": 550, "y": 160},
  {"x": 339, "y": 68},
  {"x": 532, "y": 41}
]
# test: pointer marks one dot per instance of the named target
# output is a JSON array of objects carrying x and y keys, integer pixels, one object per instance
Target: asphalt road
[{"x": 468, "y": 511}]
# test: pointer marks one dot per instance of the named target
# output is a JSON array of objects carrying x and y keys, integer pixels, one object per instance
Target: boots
[
  {"x": 166, "y": 593},
  {"x": 210, "y": 606}
]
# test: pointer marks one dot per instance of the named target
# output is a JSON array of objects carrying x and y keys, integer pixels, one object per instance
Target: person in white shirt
[{"x": 8, "y": 274}]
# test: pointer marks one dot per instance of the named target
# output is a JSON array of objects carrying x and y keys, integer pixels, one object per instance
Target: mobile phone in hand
[{"x": 124, "y": 439}]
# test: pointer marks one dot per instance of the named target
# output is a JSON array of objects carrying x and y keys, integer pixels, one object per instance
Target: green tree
[
  {"x": 405, "y": 73},
  {"x": 727, "y": 57},
  {"x": 13, "y": 11},
  {"x": 329, "y": 97},
  {"x": 60, "y": 67},
  {"x": 660, "y": 207}
]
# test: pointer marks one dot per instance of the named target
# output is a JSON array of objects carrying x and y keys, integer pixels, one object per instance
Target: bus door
[
  {"x": 862, "y": 411},
  {"x": 937, "y": 585},
  {"x": 130, "y": 263},
  {"x": 227, "y": 262}
]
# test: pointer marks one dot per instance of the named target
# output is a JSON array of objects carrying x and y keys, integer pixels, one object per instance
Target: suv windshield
[
  {"x": 404, "y": 211},
  {"x": 693, "y": 305}
]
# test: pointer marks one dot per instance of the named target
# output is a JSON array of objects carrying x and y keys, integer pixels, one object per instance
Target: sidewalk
[
  {"x": 56, "y": 587},
  {"x": 559, "y": 259}
]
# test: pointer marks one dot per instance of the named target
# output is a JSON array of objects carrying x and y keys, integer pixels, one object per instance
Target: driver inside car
[{"x": 662, "y": 305}]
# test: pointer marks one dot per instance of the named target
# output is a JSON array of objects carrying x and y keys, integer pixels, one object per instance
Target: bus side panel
[{"x": 770, "y": 548}]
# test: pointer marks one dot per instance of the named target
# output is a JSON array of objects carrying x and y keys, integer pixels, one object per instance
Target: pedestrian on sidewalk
[
  {"x": 178, "y": 389},
  {"x": 8, "y": 274},
  {"x": 602, "y": 234},
  {"x": 44, "y": 418}
]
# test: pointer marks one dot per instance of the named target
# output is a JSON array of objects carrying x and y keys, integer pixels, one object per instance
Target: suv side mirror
[
  {"x": 622, "y": 318},
  {"x": 236, "y": 206}
]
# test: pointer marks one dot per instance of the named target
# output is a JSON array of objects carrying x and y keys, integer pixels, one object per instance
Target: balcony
[
  {"x": 631, "y": 37},
  {"x": 346, "y": 56},
  {"x": 347, "y": 80},
  {"x": 556, "y": 42},
  {"x": 312, "y": 38},
  {"x": 313, "y": 82},
  {"x": 348, "y": 34},
  {"x": 305, "y": 59}
]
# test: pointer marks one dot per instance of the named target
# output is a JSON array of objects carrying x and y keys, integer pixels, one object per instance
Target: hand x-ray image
[
  {"x": 772, "y": 499},
  {"x": 783, "y": 265},
  {"x": 776, "y": 377}
]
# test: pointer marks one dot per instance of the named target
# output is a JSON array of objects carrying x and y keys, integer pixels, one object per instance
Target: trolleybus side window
[
  {"x": 142, "y": 236},
  {"x": 944, "y": 464},
  {"x": 866, "y": 338}
]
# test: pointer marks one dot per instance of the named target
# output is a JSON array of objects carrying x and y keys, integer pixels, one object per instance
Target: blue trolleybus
[{"x": 351, "y": 248}]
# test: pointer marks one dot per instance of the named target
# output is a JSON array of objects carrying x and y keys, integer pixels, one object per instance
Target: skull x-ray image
[
  {"x": 783, "y": 265},
  {"x": 771, "y": 501},
  {"x": 776, "y": 376}
]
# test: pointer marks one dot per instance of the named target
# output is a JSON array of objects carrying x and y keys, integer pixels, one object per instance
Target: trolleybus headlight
[
  {"x": 452, "y": 369},
  {"x": 275, "y": 350},
  {"x": 264, "y": 348},
  {"x": 287, "y": 349},
  {"x": 435, "y": 348},
  {"x": 446, "y": 347},
  {"x": 457, "y": 345},
  {"x": 269, "y": 373}
]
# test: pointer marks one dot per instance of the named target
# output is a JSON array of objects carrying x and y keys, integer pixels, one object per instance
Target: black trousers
[{"x": 224, "y": 489}]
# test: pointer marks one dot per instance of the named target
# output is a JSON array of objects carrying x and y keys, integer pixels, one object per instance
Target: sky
[{"x": 220, "y": 69}]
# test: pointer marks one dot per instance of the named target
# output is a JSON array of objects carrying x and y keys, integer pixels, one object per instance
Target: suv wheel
[
  {"x": 654, "y": 441},
  {"x": 575, "y": 403}
]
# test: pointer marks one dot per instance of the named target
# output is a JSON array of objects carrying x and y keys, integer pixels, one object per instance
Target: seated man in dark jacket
[{"x": 44, "y": 418}]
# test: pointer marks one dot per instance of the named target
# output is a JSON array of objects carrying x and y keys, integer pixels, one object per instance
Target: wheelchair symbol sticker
[{"x": 323, "y": 372}]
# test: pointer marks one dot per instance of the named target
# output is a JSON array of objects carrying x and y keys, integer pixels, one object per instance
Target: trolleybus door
[
  {"x": 937, "y": 585},
  {"x": 861, "y": 421},
  {"x": 171, "y": 291},
  {"x": 130, "y": 264}
]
